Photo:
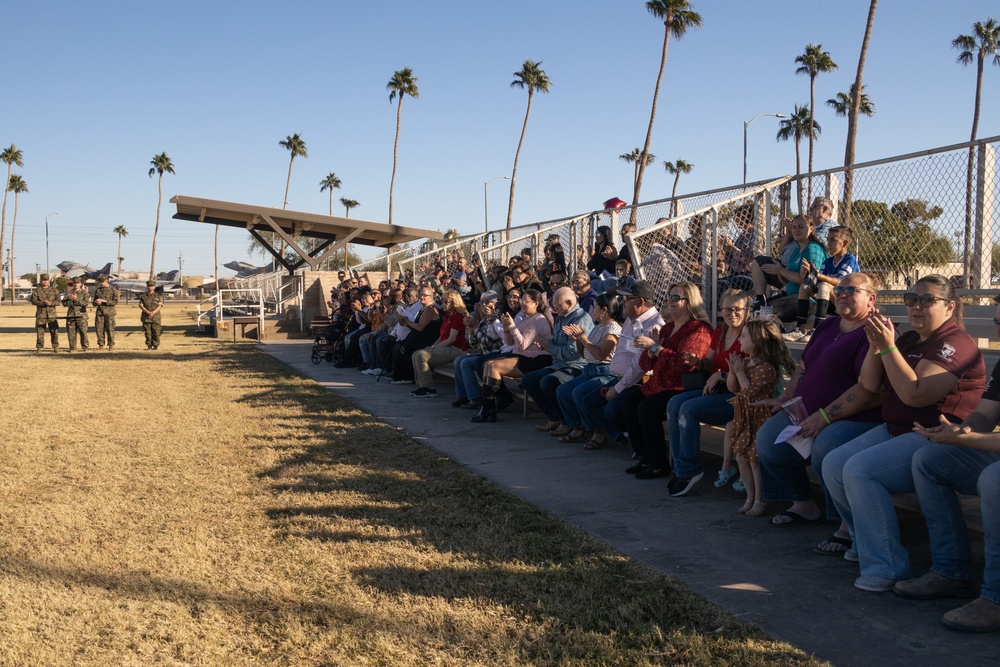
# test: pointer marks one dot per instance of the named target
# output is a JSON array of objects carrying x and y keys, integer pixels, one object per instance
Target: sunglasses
[
  {"x": 848, "y": 291},
  {"x": 732, "y": 311},
  {"x": 911, "y": 299},
  {"x": 675, "y": 298}
]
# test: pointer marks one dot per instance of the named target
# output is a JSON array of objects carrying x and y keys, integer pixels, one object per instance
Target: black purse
[{"x": 695, "y": 380}]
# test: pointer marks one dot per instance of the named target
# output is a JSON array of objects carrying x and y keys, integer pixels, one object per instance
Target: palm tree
[
  {"x": 852, "y": 117},
  {"x": 677, "y": 17},
  {"x": 532, "y": 77},
  {"x": 11, "y": 155},
  {"x": 330, "y": 183},
  {"x": 676, "y": 168},
  {"x": 297, "y": 146},
  {"x": 121, "y": 232},
  {"x": 348, "y": 204},
  {"x": 812, "y": 62},
  {"x": 797, "y": 127},
  {"x": 978, "y": 46},
  {"x": 634, "y": 158},
  {"x": 841, "y": 104},
  {"x": 161, "y": 163},
  {"x": 16, "y": 185},
  {"x": 401, "y": 84}
]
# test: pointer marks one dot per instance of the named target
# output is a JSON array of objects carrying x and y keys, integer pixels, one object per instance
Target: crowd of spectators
[{"x": 608, "y": 360}]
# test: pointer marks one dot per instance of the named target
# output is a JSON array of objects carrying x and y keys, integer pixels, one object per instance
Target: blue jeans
[
  {"x": 569, "y": 395},
  {"x": 541, "y": 385},
  {"x": 939, "y": 473},
  {"x": 861, "y": 477},
  {"x": 468, "y": 371},
  {"x": 374, "y": 356},
  {"x": 602, "y": 411},
  {"x": 685, "y": 414},
  {"x": 783, "y": 470}
]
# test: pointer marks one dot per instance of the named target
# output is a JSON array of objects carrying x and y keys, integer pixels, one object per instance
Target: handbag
[{"x": 694, "y": 380}]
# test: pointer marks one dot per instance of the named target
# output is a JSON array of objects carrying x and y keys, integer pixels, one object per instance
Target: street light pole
[
  {"x": 746, "y": 124},
  {"x": 48, "y": 266},
  {"x": 486, "y": 201}
]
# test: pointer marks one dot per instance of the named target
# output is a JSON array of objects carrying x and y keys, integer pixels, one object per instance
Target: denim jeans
[
  {"x": 569, "y": 395},
  {"x": 468, "y": 372},
  {"x": 366, "y": 344},
  {"x": 861, "y": 477},
  {"x": 783, "y": 470},
  {"x": 685, "y": 414},
  {"x": 541, "y": 385},
  {"x": 939, "y": 474},
  {"x": 602, "y": 411}
]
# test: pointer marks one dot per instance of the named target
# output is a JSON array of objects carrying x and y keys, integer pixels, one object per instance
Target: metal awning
[{"x": 335, "y": 232}]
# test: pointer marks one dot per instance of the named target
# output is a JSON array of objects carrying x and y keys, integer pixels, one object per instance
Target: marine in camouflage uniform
[
  {"x": 105, "y": 300},
  {"x": 151, "y": 304},
  {"x": 45, "y": 298},
  {"x": 76, "y": 301}
]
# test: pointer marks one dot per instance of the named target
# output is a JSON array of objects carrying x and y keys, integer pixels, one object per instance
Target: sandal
[
  {"x": 758, "y": 509},
  {"x": 725, "y": 476},
  {"x": 747, "y": 506},
  {"x": 839, "y": 546},
  {"x": 738, "y": 485},
  {"x": 576, "y": 435},
  {"x": 596, "y": 442}
]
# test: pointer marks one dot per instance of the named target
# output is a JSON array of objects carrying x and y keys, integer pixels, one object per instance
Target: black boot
[
  {"x": 504, "y": 397},
  {"x": 488, "y": 413}
]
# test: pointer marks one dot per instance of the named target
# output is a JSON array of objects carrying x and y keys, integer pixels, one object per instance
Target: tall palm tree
[
  {"x": 122, "y": 233},
  {"x": 977, "y": 47},
  {"x": 532, "y": 77},
  {"x": 161, "y": 164},
  {"x": 16, "y": 185},
  {"x": 676, "y": 168},
  {"x": 814, "y": 61},
  {"x": 841, "y": 104},
  {"x": 852, "y": 117},
  {"x": 797, "y": 127},
  {"x": 677, "y": 17},
  {"x": 330, "y": 183},
  {"x": 296, "y": 145},
  {"x": 633, "y": 159},
  {"x": 348, "y": 204},
  {"x": 401, "y": 84},
  {"x": 11, "y": 155}
]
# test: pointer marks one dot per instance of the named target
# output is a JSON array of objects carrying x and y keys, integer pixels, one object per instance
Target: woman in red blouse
[{"x": 643, "y": 408}]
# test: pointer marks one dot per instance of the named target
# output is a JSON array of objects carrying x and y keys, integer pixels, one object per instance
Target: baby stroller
[{"x": 329, "y": 343}]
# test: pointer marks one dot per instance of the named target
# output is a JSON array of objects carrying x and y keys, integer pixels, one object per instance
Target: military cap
[
  {"x": 150, "y": 283},
  {"x": 44, "y": 276}
]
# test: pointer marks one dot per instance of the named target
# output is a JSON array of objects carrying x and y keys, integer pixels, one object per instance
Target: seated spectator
[
  {"x": 485, "y": 335},
  {"x": 450, "y": 344},
  {"x": 602, "y": 404},
  {"x": 643, "y": 408},
  {"x": 711, "y": 405},
  {"x": 529, "y": 338},
  {"x": 623, "y": 252},
  {"x": 522, "y": 277},
  {"x": 567, "y": 362},
  {"x": 767, "y": 271},
  {"x": 820, "y": 284},
  {"x": 409, "y": 308},
  {"x": 424, "y": 330},
  {"x": 739, "y": 251},
  {"x": 936, "y": 370},
  {"x": 360, "y": 304},
  {"x": 370, "y": 342},
  {"x": 598, "y": 347},
  {"x": 585, "y": 294},
  {"x": 556, "y": 280},
  {"x": 603, "y": 254},
  {"x": 623, "y": 277}
]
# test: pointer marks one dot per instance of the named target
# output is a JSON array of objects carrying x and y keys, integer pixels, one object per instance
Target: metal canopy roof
[{"x": 336, "y": 231}]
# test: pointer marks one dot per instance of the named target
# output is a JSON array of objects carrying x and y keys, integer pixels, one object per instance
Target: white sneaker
[
  {"x": 795, "y": 336},
  {"x": 402, "y": 382}
]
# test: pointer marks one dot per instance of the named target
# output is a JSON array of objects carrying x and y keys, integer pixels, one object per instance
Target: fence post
[
  {"x": 713, "y": 288},
  {"x": 982, "y": 256},
  {"x": 833, "y": 193}
]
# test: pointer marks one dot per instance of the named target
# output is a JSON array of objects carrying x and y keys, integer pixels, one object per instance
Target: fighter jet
[
  {"x": 74, "y": 269},
  {"x": 169, "y": 284},
  {"x": 246, "y": 269}
]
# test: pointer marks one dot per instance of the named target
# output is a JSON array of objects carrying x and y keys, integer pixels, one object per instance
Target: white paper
[{"x": 802, "y": 445}]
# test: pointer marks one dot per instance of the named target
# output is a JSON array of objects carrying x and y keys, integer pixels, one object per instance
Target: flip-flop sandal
[
  {"x": 796, "y": 520},
  {"x": 569, "y": 437},
  {"x": 593, "y": 444},
  {"x": 844, "y": 542}
]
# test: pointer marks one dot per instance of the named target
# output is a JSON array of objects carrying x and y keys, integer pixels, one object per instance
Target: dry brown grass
[{"x": 201, "y": 505}]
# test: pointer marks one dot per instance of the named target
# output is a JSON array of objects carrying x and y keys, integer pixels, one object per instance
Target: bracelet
[
  {"x": 887, "y": 351},
  {"x": 785, "y": 394},
  {"x": 825, "y": 416}
]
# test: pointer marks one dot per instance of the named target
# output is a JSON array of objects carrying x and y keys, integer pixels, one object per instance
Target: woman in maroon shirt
[
  {"x": 932, "y": 371},
  {"x": 642, "y": 408}
]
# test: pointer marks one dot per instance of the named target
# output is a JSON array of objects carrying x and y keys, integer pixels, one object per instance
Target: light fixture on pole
[
  {"x": 746, "y": 124},
  {"x": 486, "y": 201},
  {"x": 48, "y": 266}
]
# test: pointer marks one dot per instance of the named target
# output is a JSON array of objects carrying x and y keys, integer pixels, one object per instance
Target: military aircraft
[
  {"x": 74, "y": 269},
  {"x": 167, "y": 285},
  {"x": 246, "y": 269}
]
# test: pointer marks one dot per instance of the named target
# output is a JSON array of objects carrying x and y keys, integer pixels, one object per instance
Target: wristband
[
  {"x": 887, "y": 351},
  {"x": 825, "y": 416}
]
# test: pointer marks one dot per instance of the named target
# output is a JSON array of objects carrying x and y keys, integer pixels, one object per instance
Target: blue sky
[{"x": 94, "y": 90}]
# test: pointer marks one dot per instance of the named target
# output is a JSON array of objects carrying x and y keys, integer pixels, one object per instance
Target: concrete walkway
[{"x": 768, "y": 576}]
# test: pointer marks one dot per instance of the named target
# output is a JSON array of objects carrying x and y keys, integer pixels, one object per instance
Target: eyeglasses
[
  {"x": 850, "y": 290},
  {"x": 423, "y": 294},
  {"x": 732, "y": 311},
  {"x": 911, "y": 299},
  {"x": 675, "y": 298}
]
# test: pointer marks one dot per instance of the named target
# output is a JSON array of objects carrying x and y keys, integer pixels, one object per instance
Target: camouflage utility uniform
[
  {"x": 105, "y": 300},
  {"x": 76, "y": 300},
  {"x": 45, "y": 315},
  {"x": 151, "y": 304}
]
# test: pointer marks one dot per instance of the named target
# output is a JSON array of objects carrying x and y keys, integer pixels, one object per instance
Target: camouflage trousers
[
  {"x": 77, "y": 326},
  {"x": 104, "y": 322},
  {"x": 152, "y": 329},
  {"x": 53, "y": 327}
]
